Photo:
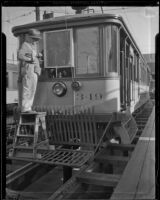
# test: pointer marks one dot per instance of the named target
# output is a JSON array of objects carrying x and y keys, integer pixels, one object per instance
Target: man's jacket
[{"x": 28, "y": 55}]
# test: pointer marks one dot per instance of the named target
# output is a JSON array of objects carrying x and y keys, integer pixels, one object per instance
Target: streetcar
[{"x": 89, "y": 60}]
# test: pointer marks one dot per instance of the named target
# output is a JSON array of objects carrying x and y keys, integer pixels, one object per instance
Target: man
[{"x": 30, "y": 69}]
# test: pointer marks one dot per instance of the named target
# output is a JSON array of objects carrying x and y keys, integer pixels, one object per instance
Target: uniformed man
[{"x": 30, "y": 69}]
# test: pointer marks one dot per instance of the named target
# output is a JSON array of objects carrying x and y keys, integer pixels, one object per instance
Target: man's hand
[
  {"x": 30, "y": 58},
  {"x": 39, "y": 55}
]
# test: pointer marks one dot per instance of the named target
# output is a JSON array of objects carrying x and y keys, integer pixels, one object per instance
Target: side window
[
  {"x": 148, "y": 77},
  {"x": 141, "y": 71},
  {"x": 87, "y": 51},
  {"x": 135, "y": 67}
]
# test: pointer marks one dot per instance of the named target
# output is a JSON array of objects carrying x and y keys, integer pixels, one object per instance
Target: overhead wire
[
  {"x": 64, "y": 12},
  {"x": 123, "y": 9},
  {"x": 130, "y": 24},
  {"x": 23, "y": 15}
]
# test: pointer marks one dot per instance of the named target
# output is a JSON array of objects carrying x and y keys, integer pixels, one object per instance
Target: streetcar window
[
  {"x": 111, "y": 32},
  {"x": 135, "y": 67},
  {"x": 148, "y": 77},
  {"x": 87, "y": 51},
  {"x": 138, "y": 68},
  {"x": 143, "y": 73},
  {"x": 57, "y": 48}
]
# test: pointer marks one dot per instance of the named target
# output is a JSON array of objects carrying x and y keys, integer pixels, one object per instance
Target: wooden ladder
[{"x": 28, "y": 130}]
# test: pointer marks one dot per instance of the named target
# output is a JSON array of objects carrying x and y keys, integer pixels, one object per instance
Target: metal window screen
[{"x": 57, "y": 48}]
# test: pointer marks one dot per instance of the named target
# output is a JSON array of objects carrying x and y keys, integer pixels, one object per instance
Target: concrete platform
[{"x": 138, "y": 179}]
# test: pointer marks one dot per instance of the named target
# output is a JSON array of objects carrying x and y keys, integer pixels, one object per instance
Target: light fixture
[
  {"x": 59, "y": 89},
  {"x": 76, "y": 85}
]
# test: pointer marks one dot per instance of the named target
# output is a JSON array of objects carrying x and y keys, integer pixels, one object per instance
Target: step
[
  {"x": 23, "y": 147},
  {"x": 142, "y": 118},
  {"x": 28, "y": 123},
  {"x": 42, "y": 142},
  {"x": 99, "y": 179},
  {"x": 141, "y": 122},
  {"x": 21, "y": 135}
]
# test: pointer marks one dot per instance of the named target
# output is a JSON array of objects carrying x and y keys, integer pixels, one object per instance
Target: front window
[
  {"x": 87, "y": 51},
  {"x": 111, "y": 35},
  {"x": 57, "y": 48}
]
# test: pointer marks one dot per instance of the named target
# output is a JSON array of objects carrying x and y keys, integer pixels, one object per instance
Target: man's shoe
[
  {"x": 32, "y": 111},
  {"x": 29, "y": 111}
]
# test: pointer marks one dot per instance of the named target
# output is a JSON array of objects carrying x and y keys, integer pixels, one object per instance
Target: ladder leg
[
  {"x": 35, "y": 137},
  {"x": 43, "y": 122},
  {"x": 26, "y": 122},
  {"x": 15, "y": 136}
]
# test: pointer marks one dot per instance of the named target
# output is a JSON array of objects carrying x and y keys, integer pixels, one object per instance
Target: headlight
[{"x": 59, "y": 89}]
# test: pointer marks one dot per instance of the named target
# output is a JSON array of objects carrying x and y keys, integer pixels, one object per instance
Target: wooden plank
[
  {"x": 19, "y": 172},
  {"x": 94, "y": 128},
  {"x": 86, "y": 127},
  {"x": 122, "y": 147},
  {"x": 55, "y": 125},
  {"x": 146, "y": 186},
  {"x": 60, "y": 128},
  {"x": 79, "y": 128},
  {"x": 54, "y": 128},
  {"x": 90, "y": 126},
  {"x": 67, "y": 126},
  {"x": 75, "y": 127},
  {"x": 98, "y": 179},
  {"x": 64, "y": 127},
  {"x": 71, "y": 126},
  {"x": 82, "y": 127},
  {"x": 138, "y": 178},
  {"x": 111, "y": 159}
]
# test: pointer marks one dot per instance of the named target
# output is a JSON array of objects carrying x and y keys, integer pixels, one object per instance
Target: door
[{"x": 122, "y": 80}]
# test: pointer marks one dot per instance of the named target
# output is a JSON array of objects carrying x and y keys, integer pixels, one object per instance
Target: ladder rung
[
  {"x": 25, "y": 135},
  {"x": 29, "y": 123},
  {"x": 22, "y": 147},
  {"x": 42, "y": 142}
]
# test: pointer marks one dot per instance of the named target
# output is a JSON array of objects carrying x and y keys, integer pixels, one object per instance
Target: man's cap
[{"x": 34, "y": 33}]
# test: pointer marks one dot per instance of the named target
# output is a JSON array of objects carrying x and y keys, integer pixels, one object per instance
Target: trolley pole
[{"x": 37, "y": 11}]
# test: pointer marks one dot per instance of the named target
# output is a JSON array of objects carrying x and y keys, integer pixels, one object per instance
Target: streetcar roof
[
  {"x": 64, "y": 22},
  {"x": 70, "y": 20}
]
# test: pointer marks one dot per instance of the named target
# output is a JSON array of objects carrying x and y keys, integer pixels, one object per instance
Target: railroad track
[{"x": 98, "y": 179}]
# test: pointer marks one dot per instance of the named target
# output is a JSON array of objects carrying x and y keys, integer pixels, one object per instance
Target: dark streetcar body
[{"x": 90, "y": 60}]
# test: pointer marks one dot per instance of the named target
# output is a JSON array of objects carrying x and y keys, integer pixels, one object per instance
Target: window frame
[
  {"x": 118, "y": 49},
  {"x": 100, "y": 42},
  {"x": 71, "y": 48}
]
